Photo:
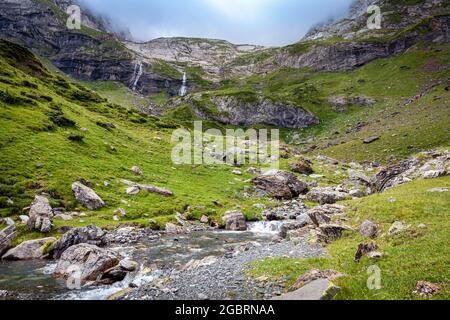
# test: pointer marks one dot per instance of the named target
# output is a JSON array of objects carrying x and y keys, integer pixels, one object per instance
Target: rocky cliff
[
  {"x": 209, "y": 54},
  {"x": 247, "y": 112}
]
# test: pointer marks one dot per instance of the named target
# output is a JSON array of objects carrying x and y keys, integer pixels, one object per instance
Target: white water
[
  {"x": 183, "y": 89},
  {"x": 270, "y": 227},
  {"x": 137, "y": 73}
]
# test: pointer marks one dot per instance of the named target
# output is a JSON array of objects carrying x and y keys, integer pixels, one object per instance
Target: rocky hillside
[{"x": 92, "y": 53}]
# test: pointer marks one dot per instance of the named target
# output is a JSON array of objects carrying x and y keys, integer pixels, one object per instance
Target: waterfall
[
  {"x": 137, "y": 73},
  {"x": 183, "y": 89}
]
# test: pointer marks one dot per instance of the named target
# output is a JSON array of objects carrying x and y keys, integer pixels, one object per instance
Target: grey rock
[
  {"x": 235, "y": 221},
  {"x": 397, "y": 227},
  {"x": 91, "y": 260},
  {"x": 7, "y": 235},
  {"x": 137, "y": 171},
  {"x": 323, "y": 214},
  {"x": 280, "y": 184},
  {"x": 24, "y": 219},
  {"x": 40, "y": 216},
  {"x": 232, "y": 110},
  {"x": 128, "y": 265},
  {"x": 313, "y": 275},
  {"x": 302, "y": 166},
  {"x": 331, "y": 232},
  {"x": 320, "y": 289},
  {"x": 28, "y": 250},
  {"x": 204, "y": 219},
  {"x": 87, "y": 196},
  {"x": 64, "y": 217},
  {"x": 368, "y": 229},
  {"x": 89, "y": 235}
]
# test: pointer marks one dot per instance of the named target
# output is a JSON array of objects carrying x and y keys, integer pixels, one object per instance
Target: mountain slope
[{"x": 55, "y": 132}]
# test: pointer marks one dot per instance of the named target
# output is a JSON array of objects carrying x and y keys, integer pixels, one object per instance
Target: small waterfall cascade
[
  {"x": 183, "y": 89},
  {"x": 268, "y": 227},
  {"x": 137, "y": 73}
]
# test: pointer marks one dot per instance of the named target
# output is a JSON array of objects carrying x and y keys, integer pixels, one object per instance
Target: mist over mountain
[{"x": 267, "y": 22}]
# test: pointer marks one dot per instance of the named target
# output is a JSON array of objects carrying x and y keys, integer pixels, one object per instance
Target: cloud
[
  {"x": 239, "y": 9},
  {"x": 264, "y": 22}
]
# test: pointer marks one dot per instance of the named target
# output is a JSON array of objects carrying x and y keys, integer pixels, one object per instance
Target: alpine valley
[{"x": 359, "y": 208}]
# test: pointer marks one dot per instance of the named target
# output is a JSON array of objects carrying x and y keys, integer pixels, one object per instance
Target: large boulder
[
  {"x": 29, "y": 250},
  {"x": 91, "y": 261},
  {"x": 87, "y": 196},
  {"x": 323, "y": 214},
  {"x": 326, "y": 195},
  {"x": 7, "y": 236},
  {"x": 41, "y": 214},
  {"x": 235, "y": 221},
  {"x": 280, "y": 184},
  {"x": 89, "y": 235}
]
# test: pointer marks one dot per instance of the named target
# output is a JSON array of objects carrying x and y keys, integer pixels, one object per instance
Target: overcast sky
[{"x": 264, "y": 22}]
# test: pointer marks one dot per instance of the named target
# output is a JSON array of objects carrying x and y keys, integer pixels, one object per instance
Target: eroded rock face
[
  {"x": 87, "y": 196},
  {"x": 91, "y": 261},
  {"x": 235, "y": 221},
  {"x": 89, "y": 235},
  {"x": 28, "y": 250},
  {"x": 231, "y": 110},
  {"x": 280, "y": 184}
]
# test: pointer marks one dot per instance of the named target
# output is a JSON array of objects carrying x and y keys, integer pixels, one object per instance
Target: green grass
[{"x": 414, "y": 255}]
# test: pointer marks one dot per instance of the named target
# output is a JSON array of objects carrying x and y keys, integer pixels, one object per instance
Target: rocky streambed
[{"x": 207, "y": 264}]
